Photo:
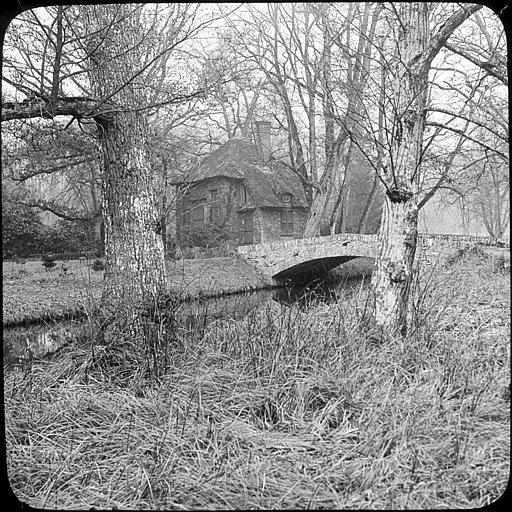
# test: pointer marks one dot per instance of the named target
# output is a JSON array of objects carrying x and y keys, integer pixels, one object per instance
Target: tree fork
[{"x": 393, "y": 271}]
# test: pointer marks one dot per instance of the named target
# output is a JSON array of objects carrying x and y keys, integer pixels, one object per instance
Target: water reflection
[
  {"x": 22, "y": 344},
  {"x": 319, "y": 290}
]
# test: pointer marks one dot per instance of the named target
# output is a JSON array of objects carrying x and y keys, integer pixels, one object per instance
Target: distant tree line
[{"x": 24, "y": 234}]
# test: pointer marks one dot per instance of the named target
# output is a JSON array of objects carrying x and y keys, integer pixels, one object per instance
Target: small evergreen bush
[
  {"x": 48, "y": 261},
  {"x": 98, "y": 265}
]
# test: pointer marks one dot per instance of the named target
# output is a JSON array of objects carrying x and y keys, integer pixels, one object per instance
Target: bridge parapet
[
  {"x": 456, "y": 241},
  {"x": 279, "y": 257},
  {"x": 328, "y": 251},
  {"x": 448, "y": 240},
  {"x": 304, "y": 242}
]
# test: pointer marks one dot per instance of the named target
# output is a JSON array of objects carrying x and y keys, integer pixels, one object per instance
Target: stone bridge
[{"x": 315, "y": 256}]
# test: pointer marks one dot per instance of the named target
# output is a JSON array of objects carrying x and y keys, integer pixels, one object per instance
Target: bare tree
[
  {"x": 116, "y": 58},
  {"x": 490, "y": 202},
  {"x": 415, "y": 50},
  {"x": 355, "y": 43},
  {"x": 233, "y": 106},
  {"x": 467, "y": 120},
  {"x": 481, "y": 188},
  {"x": 297, "y": 47}
]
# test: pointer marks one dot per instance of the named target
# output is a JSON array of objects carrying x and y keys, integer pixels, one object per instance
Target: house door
[
  {"x": 193, "y": 213},
  {"x": 197, "y": 215},
  {"x": 246, "y": 228},
  {"x": 287, "y": 223}
]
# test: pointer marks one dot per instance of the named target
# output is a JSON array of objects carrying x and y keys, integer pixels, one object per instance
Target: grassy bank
[
  {"x": 287, "y": 408},
  {"x": 31, "y": 293}
]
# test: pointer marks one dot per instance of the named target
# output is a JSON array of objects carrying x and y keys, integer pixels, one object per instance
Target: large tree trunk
[
  {"x": 135, "y": 267},
  {"x": 99, "y": 235},
  {"x": 363, "y": 221},
  {"x": 326, "y": 202},
  {"x": 398, "y": 229},
  {"x": 330, "y": 188},
  {"x": 392, "y": 275}
]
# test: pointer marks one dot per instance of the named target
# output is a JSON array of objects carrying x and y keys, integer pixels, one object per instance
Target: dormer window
[{"x": 287, "y": 198}]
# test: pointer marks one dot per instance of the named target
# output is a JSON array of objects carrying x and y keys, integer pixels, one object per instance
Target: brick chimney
[{"x": 263, "y": 142}]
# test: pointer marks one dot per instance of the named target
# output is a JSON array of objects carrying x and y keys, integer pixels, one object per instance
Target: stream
[{"x": 21, "y": 344}]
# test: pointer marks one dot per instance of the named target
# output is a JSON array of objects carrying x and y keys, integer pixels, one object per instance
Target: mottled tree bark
[
  {"x": 398, "y": 231},
  {"x": 134, "y": 252},
  {"x": 135, "y": 271}
]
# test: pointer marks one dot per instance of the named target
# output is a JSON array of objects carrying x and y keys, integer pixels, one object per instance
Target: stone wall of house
[
  {"x": 269, "y": 221},
  {"x": 266, "y": 221},
  {"x": 270, "y": 224},
  {"x": 258, "y": 222},
  {"x": 228, "y": 197},
  {"x": 300, "y": 219}
]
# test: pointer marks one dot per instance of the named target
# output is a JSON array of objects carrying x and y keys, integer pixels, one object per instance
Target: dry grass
[
  {"x": 287, "y": 408},
  {"x": 31, "y": 293}
]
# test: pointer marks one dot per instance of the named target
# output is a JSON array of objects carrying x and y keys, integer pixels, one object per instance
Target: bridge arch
[
  {"x": 282, "y": 259},
  {"x": 313, "y": 256},
  {"x": 310, "y": 268}
]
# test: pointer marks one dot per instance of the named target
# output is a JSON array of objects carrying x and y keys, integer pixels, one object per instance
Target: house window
[
  {"x": 214, "y": 204},
  {"x": 244, "y": 194},
  {"x": 246, "y": 228},
  {"x": 287, "y": 223}
]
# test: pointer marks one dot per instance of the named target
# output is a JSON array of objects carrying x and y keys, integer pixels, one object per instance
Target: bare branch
[
  {"x": 479, "y": 142},
  {"x": 494, "y": 66}
]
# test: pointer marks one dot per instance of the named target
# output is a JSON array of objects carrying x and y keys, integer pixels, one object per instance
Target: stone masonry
[{"x": 281, "y": 259}]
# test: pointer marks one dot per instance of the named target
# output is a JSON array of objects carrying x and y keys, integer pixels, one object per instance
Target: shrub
[
  {"x": 98, "y": 265},
  {"x": 211, "y": 235},
  {"x": 501, "y": 264},
  {"x": 21, "y": 229},
  {"x": 48, "y": 261},
  {"x": 68, "y": 237}
]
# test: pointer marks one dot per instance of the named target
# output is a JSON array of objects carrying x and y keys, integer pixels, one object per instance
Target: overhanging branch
[
  {"x": 37, "y": 172},
  {"x": 34, "y": 107},
  {"x": 48, "y": 206},
  {"x": 443, "y": 34},
  {"x": 494, "y": 67}
]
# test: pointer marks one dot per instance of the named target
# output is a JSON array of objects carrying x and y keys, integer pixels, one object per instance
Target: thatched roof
[{"x": 266, "y": 182}]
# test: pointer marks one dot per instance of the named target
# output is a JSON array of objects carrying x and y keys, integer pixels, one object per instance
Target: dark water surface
[{"x": 22, "y": 344}]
